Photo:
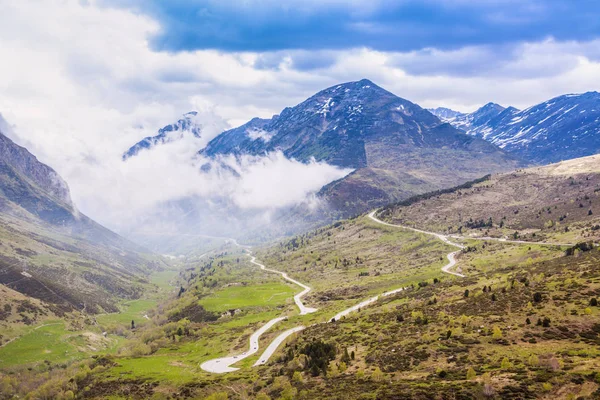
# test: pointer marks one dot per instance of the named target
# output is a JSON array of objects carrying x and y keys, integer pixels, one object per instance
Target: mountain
[
  {"x": 473, "y": 122},
  {"x": 51, "y": 252},
  {"x": 187, "y": 125},
  {"x": 396, "y": 147},
  {"x": 555, "y": 203},
  {"x": 444, "y": 113},
  {"x": 562, "y": 128}
]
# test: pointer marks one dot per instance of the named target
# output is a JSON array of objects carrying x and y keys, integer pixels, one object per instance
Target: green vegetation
[
  {"x": 523, "y": 323},
  {"x": 241, "y": 297}
]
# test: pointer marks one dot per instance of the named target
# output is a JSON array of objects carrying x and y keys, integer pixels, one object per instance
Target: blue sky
[{"x": 401, "y": 25}]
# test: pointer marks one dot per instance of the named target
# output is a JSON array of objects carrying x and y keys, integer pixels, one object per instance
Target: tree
[
  {"x": 132, "y": 324},
  {"x": 533, "y": 360},
  {"x": 546, "y": 322},
  {"x": 594, "y": 302},
  {"x": 528, "y": 321},
  {"x": 345, "y": 356},
  {"x": 471, "y": 374},
  {"x": 537, "y": 297},
  {"x": 466, "y": 292},
  {"x": 493, "y": 296},
  {"x": 297, "y": 377},
  {"x": 352, "y": 355},
  {"x": 497, "y": 333},
  {"x": 377, "y": 375},
  {"x": 448, "y": 334}
]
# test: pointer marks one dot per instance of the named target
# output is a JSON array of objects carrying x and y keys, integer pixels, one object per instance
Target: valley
[
  {"x": 403, "y": 277},
  {"x": 299, "y": 200}
]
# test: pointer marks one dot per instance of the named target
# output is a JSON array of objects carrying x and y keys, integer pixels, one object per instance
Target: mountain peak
[{"x": 491, "y": 106}]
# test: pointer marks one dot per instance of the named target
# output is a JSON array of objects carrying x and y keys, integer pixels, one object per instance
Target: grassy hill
[{"x": 554, "y": 203}]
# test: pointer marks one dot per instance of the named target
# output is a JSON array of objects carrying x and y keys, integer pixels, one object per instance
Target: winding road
[
  {"x": 223, "y": 365},
  {"x": 451, "y": 256},
  {"x": 297, "y": 298}
]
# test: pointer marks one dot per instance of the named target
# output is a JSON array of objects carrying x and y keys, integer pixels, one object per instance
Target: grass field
[
  {"x": 242, "y": 297},
  {"x": 51, "y": 342}
]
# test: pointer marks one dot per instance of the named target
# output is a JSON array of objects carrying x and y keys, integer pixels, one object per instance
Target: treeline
[{"x": 429, "y": 195}]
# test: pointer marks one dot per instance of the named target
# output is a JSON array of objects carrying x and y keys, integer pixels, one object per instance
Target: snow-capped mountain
[
  {"x": 397, "y": 148},
  {"x": 562, "y": 128},
  {"x": 444, "y": 113},
  {"x": 189, "y": 124}
]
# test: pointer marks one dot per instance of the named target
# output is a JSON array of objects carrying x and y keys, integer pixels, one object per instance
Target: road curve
[
  {"x": 451, "y": 256},
  {"x": 297, "y": 298},
  {"x": 275, "y": 344},
  {"x": 223, "y": 364}
]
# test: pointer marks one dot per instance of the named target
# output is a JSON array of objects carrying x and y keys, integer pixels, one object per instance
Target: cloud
[
  {"x": 80, "y": 84},
  {"x": 384, "y": 25}
]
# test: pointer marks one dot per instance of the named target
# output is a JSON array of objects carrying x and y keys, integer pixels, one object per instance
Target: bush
[
  {"x": 594, "y": 302},
  {"x": 497, "y": 333},
  {"x": 537, "y": 297},
  {"x": 583, "y": 246},
  {"x": 218, "y": 396},
  {"x": 471, "y": 374},
  {"x": 319, "y": 355},
  {"x": 377, "y": 375},
  {"x": 297, "y": 377}
]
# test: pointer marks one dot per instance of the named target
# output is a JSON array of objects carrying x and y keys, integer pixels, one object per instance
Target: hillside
[
  {"x": 519, "y": 325},
  {"x": 561, "y": 128},
  {"x": 51, "y": 252},
  {"x": 396, "y": 148},
  {"x": 558, "y": 202}
]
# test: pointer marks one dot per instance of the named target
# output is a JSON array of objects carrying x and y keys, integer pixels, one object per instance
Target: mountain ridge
[
  {"x": 564, "y": 127},
  {"x": 52, "y": 252}
]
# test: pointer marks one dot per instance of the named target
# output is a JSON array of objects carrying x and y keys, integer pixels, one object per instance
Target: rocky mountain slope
[
  {"x": 561, "y": 128},
  {"x": 396, "y": 148},
  {"x": 556, "y": 203},
  {"x": 52, "y": 252}
]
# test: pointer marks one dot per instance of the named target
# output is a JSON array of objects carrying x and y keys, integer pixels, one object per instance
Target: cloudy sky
[{"x": 81, "y": 81}]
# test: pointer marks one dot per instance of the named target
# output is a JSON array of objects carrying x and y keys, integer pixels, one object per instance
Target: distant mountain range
[
  {"x": 52, "y": 252},
  {"x": 562, "y": 128}
]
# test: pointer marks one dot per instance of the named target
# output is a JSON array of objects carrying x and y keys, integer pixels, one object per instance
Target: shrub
[
  {"x": 218, "y": 396},
  {"x": 377, "y": 375},
  {"x": 497, "y": 333},
  {"x": 533, "y": 360},
  {"x": 537, "y": 297},
  {"x": 471, "y": 374},
  {"x": 319, "y": 355},
  {"x": 297, "y": 377},
  {"x": 594, "y": 302},
  {"x": 583, "y": 246}
]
